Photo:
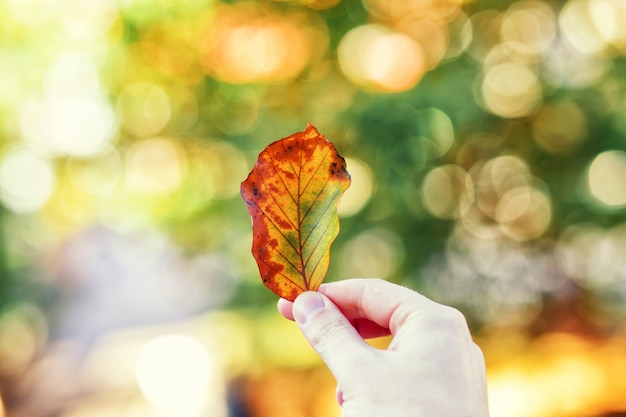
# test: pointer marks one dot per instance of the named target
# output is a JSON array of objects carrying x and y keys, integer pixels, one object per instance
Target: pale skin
[{"x": 432, "y": 367}]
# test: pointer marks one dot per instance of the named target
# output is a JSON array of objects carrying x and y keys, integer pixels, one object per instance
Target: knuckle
[{"x": 451, "y": 320}]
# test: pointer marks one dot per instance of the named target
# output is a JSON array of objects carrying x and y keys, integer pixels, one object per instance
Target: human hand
[{"x": 432, "y": 368}]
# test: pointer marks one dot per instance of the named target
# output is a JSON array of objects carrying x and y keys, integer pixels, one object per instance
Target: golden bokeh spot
[
  {"x": 249, "y": 43},
  {"x": 360, "y": 190},
  {"x": 170, "y": 48},
  {"x": 176, "y": 375},
  {"x": 447, "y": 191},
  {"x": 486, "y": 28},
  {"x": 374, "y": 253},
  {"x": 144, "y": 109},
  {"x": 524, "y": 213},
  {"x": 592, "y": 255},
  {"x": 560, "y": 127},
  {"x": 431, "y": 36},
  {"x": 377, "y": 58},
  {"x": 528, "y": 28},
  {"x": 216, "y": 169},
  {"x": 495, "y": 177},
  {"x": 578, "y": 29},
  {"x": 609, "y": 18},
  {"x": 401, "y": 10},
  {"x": 98, "y": 174},
  {"x": 155, "y": 166},
  {"x": 27, "y": 180},
  {"x": 511, "y": 90},
  {"x": 606, "y": 179}
]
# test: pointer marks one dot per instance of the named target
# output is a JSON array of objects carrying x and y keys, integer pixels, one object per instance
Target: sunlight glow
[
  {"x": 511, "y": 90},
  {"x": 72, "y": 116},
  {"x": 27, "y": 180},
  {"x": 447, "y": 191},
  {"x": 376, "y": 57},
  {"x": 360, "y": 190},
  {"x": 144, "y": 109},
  {"x": 605, "y": 179},
  {"x": 87, "y": 19},
  {"x": 578, "y": 28},
  {"x": 174, "y": 373},
  {"x": 98, "y": 174},
  {"x": 524, "y": 213},
  {"x": 560, "y": 127},
  {"x": 609, "y": 18},
  {"x": 528, "y": 28},
  {"x": 593, "y": 256},
  {"x": 248, "y": 43},
  {"x": 155, "y": 166},
  {"x": 374, "y": 253}
]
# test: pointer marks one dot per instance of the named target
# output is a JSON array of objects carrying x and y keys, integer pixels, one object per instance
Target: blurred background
[{"x": 487, "y": 144}]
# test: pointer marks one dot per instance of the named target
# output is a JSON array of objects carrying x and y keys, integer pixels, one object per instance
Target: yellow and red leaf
[{"x": 292, "y": 196}]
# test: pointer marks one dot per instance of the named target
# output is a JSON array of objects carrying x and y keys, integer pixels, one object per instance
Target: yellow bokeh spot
[
  {"x": 605, "y": 179},
  {"x": 378, "y": 58},
  {"x": 175, "y": 374},
  {"x": 560, "y": 127},
  {"x": 447, "y": 191},
  {"x": 360, "y": 190},
  {"x": 528, "y": 28},
  {"x": 27, "y": 180},
  {"x": 375, "y": 253},
  {"x": 524, "y": 213},
  {"x": 497, "y": 176},
  {"x": 144, "y": 109},
  {"x": 96, "y": 175},
  {"x": 578, "y": 28},
  {"x": 511, "y": 90},
  {"x": 247, "y": 43},
  {"x": 609, "y": 18},
  {"x": 155, "y": 166}
]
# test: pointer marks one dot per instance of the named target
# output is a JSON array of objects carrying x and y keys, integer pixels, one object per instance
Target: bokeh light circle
[
  {"x": 373, "y": 56},
  {"x": 511, "y": 90},
  {"x": 606, "y": 179},
  {"x": 524, "y": 213},
  {"x": 374, "y": 253},
  {"x": 250, "y": 43},
  {"x": 447, "y": 191},
  {"x": 174, "y": 373},
  {"x": 578, "y": 29},
  {"x": 528, "y": 28},
  {"x": 27, "y": 180},
  {"x": 155, "y": 166},
  {"x": 360, "y": 190},
  {"x": 144, "y": 109},
  {"x": 560, "y": 127},
  {"x": 96, "y": 175}
]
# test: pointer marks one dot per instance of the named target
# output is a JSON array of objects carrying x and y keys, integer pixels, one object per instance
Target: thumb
[{"x": 329, "y": 332}]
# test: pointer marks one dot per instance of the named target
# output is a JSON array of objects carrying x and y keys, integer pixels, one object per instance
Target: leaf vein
[
  {"x": 313, "y": 175},
  {"x": 281, "y": 274},
  {"x": 271, "y": 221},
  {"x": 280, "y": 207},
  {"x": 283, "y": 181},
  {"x": 329, "y": 203}
]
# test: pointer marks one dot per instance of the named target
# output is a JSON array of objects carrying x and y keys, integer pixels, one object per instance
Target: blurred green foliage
[{"x": 234, "y": 76}]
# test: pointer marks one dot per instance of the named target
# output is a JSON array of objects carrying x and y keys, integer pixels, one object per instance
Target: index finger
[
  {"x": 366, "y": 328},
  {"x": 386, "y": 304}
]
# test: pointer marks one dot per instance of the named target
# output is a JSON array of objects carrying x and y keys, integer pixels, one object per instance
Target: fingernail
[
  {"x": 339, "y": 394},
  {"x": 306, "y": 304}
]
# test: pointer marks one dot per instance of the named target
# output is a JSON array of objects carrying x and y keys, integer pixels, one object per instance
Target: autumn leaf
[{"x": 292, "y": 195}]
